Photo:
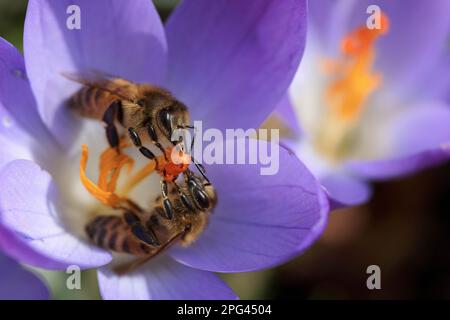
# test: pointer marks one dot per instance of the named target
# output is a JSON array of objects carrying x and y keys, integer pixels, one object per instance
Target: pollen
[
  {"x": 178, "y": 163},
  {"x": 353, "y": 79}
]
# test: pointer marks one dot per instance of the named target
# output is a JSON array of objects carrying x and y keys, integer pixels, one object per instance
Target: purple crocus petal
[
  {"x": 11, "y": 137},
  {"x": 392, "y": 168},
  {"x": 344, "y": 191},
  {"x": 436, "y": 84},
  {"x": 234, "y": 67},
  {"x": 19, "y": 120},
  {"x": 28, "y": 213},
  {"x": 419, "y": 128},
  {"x": 419, "y": 137},
  {"x": 285, "y": 111},
  {"x": 329, "y": 20},
  {"x": 115, "y": 38},
  {"x": 16, "y": 98},
  {"x": 409, "y": 43},
  {"x": 260, "y": 220},
  {"x": 163, "y": 279},
  {"x": 19, "y": 284}
]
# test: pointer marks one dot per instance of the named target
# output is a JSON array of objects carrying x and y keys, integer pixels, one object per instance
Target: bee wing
[
  {"x": 107, "y": 82},
  {"x": 131, "y": 266}
]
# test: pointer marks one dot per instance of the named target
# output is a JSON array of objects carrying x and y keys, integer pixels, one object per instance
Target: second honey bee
[{"x": 146, "y": 234}]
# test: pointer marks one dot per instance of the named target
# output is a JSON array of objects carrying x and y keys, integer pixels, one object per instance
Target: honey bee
[
  {"x": 180, "y": 215},
  {"x": 142, "y": 109},
  {"x": 147, "y": 113}
]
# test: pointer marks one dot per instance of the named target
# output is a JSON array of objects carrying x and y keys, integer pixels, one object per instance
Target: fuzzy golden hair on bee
[{"x": 153, "y": 113}]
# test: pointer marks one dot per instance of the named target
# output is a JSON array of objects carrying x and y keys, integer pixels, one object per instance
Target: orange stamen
[
  {"x": 352, "y": 82},
  {"x": 354, "y": 79},
  {"x": 108, "y": 198},
  {"x": 362, "y": 39},
  {"x": 111, "y": 164}
]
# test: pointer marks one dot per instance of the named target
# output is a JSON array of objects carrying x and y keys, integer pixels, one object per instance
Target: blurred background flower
[
  {"x": 404, "y": 229},
  {"x": 371, "y": 104}
]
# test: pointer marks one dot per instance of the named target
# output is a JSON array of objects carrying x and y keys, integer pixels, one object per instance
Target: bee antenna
[
  {"x": 185, "y": 126},
  {"x": 201, "y": 169}
]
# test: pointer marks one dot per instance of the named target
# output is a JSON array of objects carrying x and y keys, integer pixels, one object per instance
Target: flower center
[
  {"x": 352, "y": 82},
  {"x": 168, "y": 166}
]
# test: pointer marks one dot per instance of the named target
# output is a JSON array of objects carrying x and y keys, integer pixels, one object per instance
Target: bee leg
[
  {"x": 185, "y": 126},
  {"x": 111, "y": 114},
  {"x": 199, "y": 166},
  {"x": 142, "y": 233},
  {"x": 154, "y": 138},
  {"x": 112, "y": 136},
  {"x": 168, "y": 208},
  {"x": 184, "y": 199},
  {"x": 130, "y": 267},
  {"x": 197, "y": 190},
  {"x": 138, "y": 144},
  {"x": 201, "y": 169}
]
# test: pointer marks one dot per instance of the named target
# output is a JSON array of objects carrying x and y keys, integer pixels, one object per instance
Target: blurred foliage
[
  {"x": 56, "y": 281},
  {"x": 12, "y": 16}
]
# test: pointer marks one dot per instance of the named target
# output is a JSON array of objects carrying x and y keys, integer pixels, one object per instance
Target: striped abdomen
[
  {"x": 92, "y": 100},
  {"x": 112, "y": 233}
]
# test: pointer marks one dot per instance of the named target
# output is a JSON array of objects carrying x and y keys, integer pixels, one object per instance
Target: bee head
[{"x": 172, "y": 117}]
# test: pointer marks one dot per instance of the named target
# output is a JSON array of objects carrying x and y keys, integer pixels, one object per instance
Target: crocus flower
[
  {"x": 371, "y": 104},
  {"x": 228, "y": 61},
  {"x": 17, "y": 283}
]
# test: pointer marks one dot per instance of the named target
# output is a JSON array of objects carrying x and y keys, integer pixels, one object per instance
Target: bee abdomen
[
  {"x": 103, "y": 231},
  {"x": 112, "y": 233},
  {"x": 91, "y": 102}
]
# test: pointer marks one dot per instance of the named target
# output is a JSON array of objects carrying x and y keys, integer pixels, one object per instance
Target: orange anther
[
  {"x": 353, "y": 81},
  {"x": 105, "y": 196},
  {"x": 177, "y": 163}
]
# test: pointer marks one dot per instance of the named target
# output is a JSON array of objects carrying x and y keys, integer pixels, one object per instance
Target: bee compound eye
[{"x": 166, "y": 120}]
